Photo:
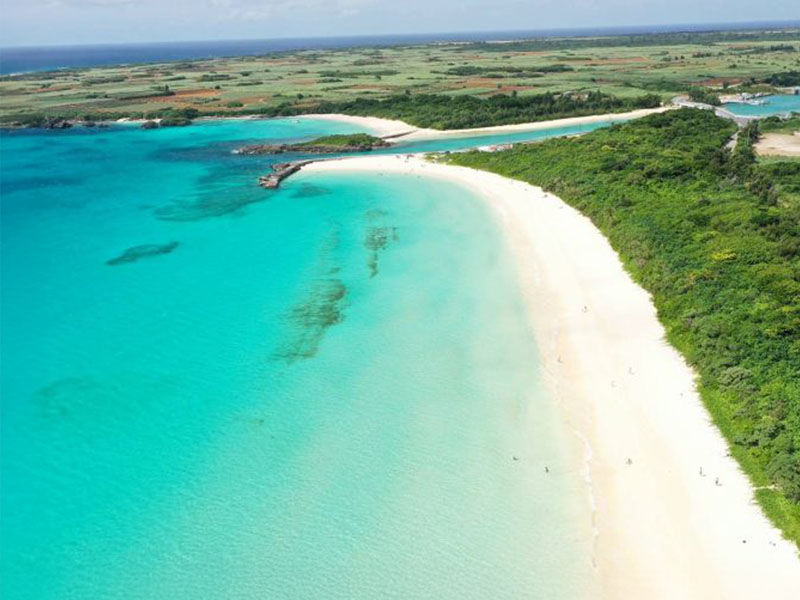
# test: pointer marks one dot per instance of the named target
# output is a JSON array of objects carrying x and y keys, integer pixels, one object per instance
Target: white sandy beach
[
  {"x": 661, "y": 530},
  {"x": 378, "y": 126},
  {"x": 406, "y": 132}
]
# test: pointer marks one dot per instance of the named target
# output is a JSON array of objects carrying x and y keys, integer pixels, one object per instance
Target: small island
[{"x": 329, "y": 144}]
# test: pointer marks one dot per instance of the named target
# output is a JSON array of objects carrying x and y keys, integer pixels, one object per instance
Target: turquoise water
[
  {"x": 773, "y": 105},
  {"x": 211, "y": 390},
  {"x": 463, "y": 142}
]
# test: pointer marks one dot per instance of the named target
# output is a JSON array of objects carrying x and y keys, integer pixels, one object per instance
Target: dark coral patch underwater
[
  {"x": 135, "y": 253},
  {"x": 321, "y": 309},
  {"x": 377, "y": 239}
]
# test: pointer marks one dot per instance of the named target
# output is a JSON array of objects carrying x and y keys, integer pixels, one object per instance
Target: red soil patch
[
  {"x": 199, "y": 93},
  {"x": 60, "y": 88},
  {"x": 517, "y": 88}
]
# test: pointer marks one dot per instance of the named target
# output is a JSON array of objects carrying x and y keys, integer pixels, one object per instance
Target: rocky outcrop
[
  {"x": 259, "y": 149},
  {"x": 52, "y": 123},
  {"x": 310, "y": 148},
  {"x": 281, "y": 171},
  {"x": 175, "y": 121}
]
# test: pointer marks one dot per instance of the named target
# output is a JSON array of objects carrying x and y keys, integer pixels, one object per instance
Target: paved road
[{"x": 718, "y": 110}]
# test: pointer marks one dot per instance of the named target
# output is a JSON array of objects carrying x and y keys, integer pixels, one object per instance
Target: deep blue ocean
[{"x": 42, "y": 58}]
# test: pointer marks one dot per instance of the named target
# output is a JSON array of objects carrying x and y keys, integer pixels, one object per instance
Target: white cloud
[
  {"x": 84, "y": 4},
  {"x": 261, "y": 9}
]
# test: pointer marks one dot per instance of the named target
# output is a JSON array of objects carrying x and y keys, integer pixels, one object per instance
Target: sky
[{"x": 43, "y": 22}]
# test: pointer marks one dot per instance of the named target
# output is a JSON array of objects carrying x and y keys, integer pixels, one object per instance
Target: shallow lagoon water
[
  {"x": 773, "y": 105},
  {"x": 456, "y": 143},
  {"x": 318, "y": 392}
]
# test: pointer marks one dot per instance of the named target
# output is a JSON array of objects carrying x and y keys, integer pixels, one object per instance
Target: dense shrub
[
  {"x": 705, "y": 96},
  {"x": 715, "y": 238},
  {"x": 785, "y": 79},
  {"x": 455, "y": 112}
]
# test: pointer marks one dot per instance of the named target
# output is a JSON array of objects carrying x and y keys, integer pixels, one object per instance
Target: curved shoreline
[
  {"x": 406, "y": 132},
  {"x": 391, "y": 128},
  {"x": 663, "y": 530}
]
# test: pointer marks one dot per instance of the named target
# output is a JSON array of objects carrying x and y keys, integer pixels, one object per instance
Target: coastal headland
[{"x": 389, "y": 131}]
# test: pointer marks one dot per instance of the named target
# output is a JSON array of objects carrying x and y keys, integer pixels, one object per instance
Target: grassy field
[{"x": 625, "y": 66}]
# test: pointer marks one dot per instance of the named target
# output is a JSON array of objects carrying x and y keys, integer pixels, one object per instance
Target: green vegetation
[
  {"x": 779, "y": 125},
  {"x": 788, "y": 78},
  {"x": 275, "y": 84},
  {"x": 705, "y": 38},
  {"x": 101, "y": 80},
  {"x": 705, "y": 96},
  {"x": 177, "y": 117},
  {"x": 357, "y": 74},
  {"x": 174, "y": 121},
  {"x": 459, "y": 112},
  {"x": 215, "y": 77},
  {"x": 355, "y": 140},
  {"x": 500, "y": 71},
  {"x": 329, "y": 144},
  {"x": 714, "y": 236}
]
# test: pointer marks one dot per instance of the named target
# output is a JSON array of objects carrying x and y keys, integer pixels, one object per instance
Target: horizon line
[{"x": 645, "y": 29}]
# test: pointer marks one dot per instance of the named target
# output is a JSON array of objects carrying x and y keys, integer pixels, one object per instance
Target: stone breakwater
[{"x": 281, "y": 171}]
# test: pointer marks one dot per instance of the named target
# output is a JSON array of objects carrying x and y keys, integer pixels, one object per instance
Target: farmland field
[{"x": 623, "y": 66}]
